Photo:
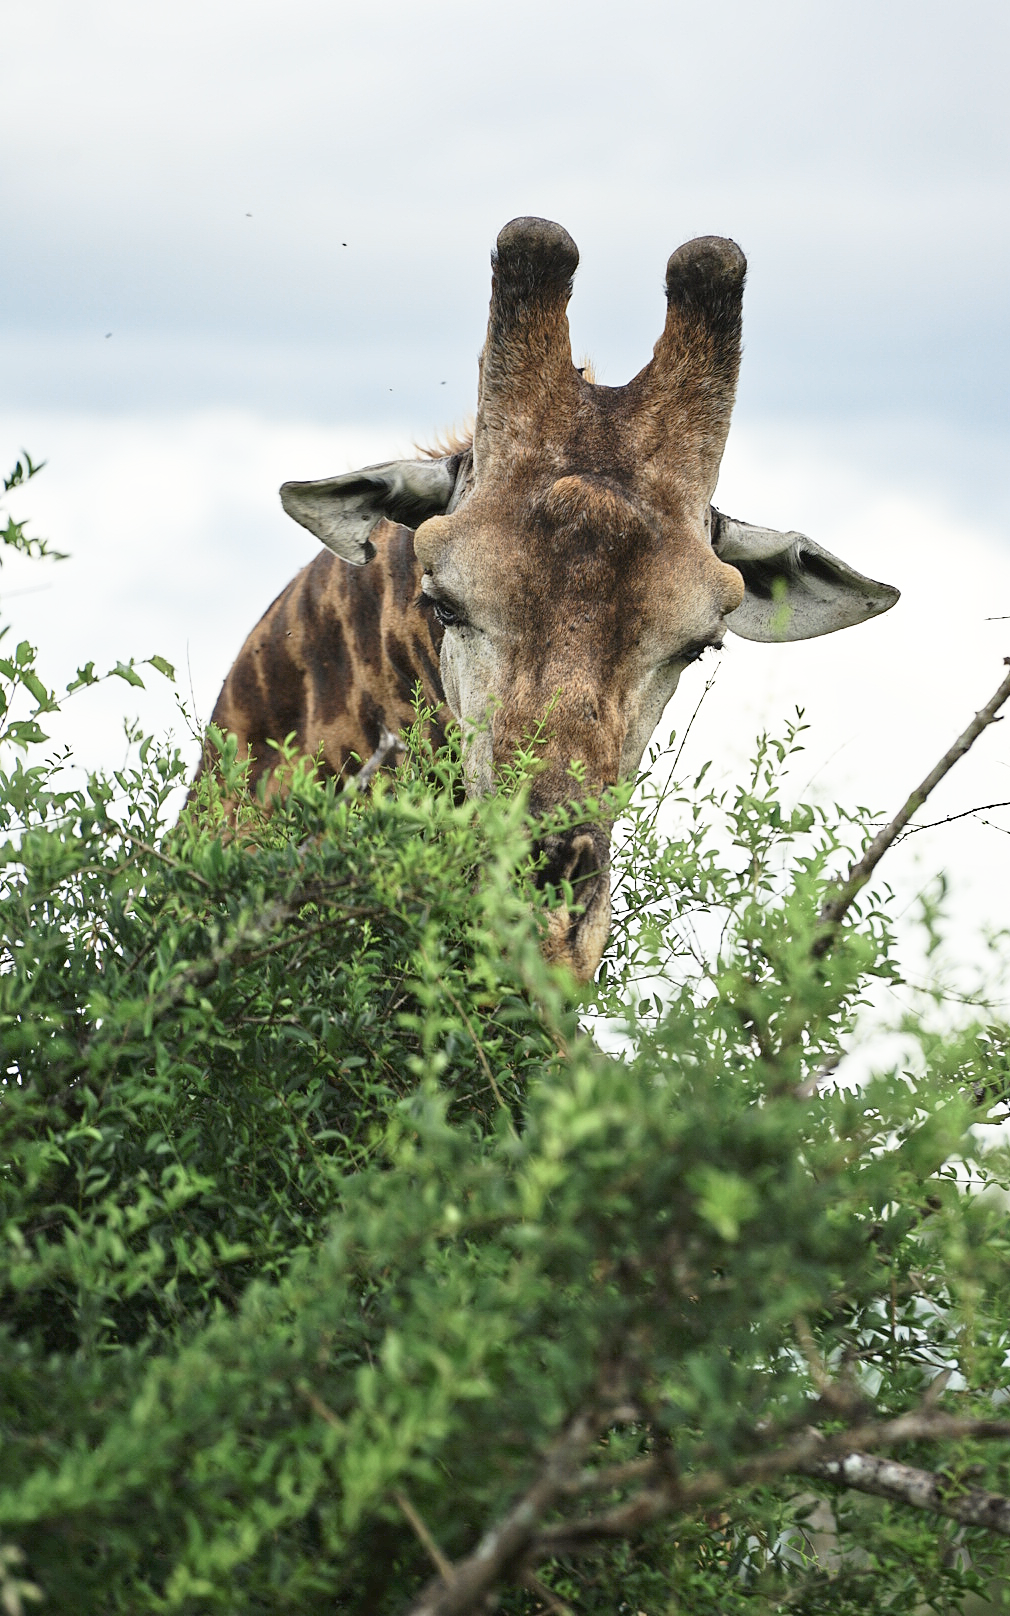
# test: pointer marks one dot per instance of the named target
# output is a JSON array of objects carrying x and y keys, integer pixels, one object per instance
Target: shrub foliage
[{"x": 350, "y": 1262}]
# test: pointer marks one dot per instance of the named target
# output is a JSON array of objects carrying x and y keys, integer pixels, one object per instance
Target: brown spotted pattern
[{"x": 337, "y": 656}]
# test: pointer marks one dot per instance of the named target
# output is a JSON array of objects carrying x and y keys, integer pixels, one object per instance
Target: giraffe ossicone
[{"x": 565, "y": 560}]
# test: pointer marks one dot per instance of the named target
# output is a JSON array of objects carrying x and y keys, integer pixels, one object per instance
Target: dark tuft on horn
[
  {"x": 704, "y": 279},
  {"x": 535, "y": 256}
]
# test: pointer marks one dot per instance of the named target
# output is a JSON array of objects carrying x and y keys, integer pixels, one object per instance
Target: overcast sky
[
  {"x": 283, "y": 215},
  {"x": 292, "y": 205}
]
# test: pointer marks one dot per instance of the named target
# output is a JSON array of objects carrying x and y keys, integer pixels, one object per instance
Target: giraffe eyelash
[
  {"x": 447, "y": 615},
  {"x": 693, "y": 652}
]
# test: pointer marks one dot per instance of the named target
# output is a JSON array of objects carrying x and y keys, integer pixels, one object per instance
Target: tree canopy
[{"x": 354, "y": 1261}]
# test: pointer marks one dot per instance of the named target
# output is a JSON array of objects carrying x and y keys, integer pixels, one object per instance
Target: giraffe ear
[
  {"x": 342, "y": 511},
  {"x": 795, "y": 589}
]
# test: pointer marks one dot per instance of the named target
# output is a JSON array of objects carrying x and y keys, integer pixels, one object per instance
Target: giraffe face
[
  {"x": 570, "y": 608},
  {"x": 571, "y": 605},
  {"x": 571, "y": 553}
]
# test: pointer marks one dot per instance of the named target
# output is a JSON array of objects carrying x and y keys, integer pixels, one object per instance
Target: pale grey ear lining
[
  {"x": 342, "y": 520},
  {"x": 796, "y": 590},
  {"x": 343, "y": 511}
]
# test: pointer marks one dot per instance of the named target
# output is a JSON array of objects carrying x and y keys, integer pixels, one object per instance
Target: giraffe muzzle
[{"x": 577, "y": 934}]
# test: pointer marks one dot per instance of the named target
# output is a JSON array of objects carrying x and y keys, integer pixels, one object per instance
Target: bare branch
[
  {"x": 951, "y": 819},
  {"x": 511, "y": 1550},
  {"x": 920, "y": 1489},
  {"x": 607, "y": 1478},
  {"x": 583, "y": 1536},
  {"x": 546, "y": 1596},
  {"x": 389, "y": 744},
  {"x": 990, "y": 826},
  {"x": 438, "y": 1559},
  {"x": 503, "y": 1549},
  {"x": 811, "y": 1454},
  {"x": 834, "y": 909}
]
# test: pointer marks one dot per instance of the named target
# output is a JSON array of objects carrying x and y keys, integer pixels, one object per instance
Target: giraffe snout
[{"x": 577, "y": 936}]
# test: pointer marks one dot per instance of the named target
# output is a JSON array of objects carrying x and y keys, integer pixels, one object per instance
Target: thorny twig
[
  {"x": 547, "y": 1597},
  {"x": 951, "y": 819},
  {"x": 834, "y": 909},
  {"x": 424, "y": 1537},
  {"x": 478, "y": 1046},
  {"x": 661, "y": 795}
]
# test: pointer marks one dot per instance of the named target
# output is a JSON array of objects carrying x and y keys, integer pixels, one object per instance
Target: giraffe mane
[
  {"x": 453, "y": 441},
  {"x": 459, "y": 439}
]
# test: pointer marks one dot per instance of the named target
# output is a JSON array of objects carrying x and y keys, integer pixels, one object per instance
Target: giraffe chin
[{"x": 578, "y": 940}]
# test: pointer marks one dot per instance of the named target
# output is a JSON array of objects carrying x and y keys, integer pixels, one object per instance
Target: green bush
[{"x": 340, "y": 1236}]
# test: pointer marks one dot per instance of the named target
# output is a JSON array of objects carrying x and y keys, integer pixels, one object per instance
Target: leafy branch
[{"x": 14, "y": 535}]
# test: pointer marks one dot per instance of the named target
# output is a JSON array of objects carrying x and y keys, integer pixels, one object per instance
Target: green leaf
[
  {"x": 23, "y": 473},
  {"x": 85, "y": 676},
  {"x": 24, "y": 732},
  {"x": 724, "y": 1200},
  {"x": 127, "y": 671},
  {"x": 44, "y": 697}
]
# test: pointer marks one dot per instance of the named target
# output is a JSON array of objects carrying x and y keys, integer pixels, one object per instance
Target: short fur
[
  {"x": 568, "y": 545},
  {"x": 337, "y": 655}
]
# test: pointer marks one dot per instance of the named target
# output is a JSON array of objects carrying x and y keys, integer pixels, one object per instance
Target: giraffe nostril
[
  {"x": 583, "y": 862},
  {"x": 578, "y": 859}
]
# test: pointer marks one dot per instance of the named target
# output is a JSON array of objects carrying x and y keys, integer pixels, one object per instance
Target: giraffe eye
[
  {"x": 445, "y": 614},
  {"x": 693, "y": 652}
]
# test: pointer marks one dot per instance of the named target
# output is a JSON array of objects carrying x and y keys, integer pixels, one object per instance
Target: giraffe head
[{"x": 573, "y": 555}]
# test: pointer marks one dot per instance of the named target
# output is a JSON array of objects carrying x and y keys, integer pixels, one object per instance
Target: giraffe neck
[{"x": 337, "y": 656}]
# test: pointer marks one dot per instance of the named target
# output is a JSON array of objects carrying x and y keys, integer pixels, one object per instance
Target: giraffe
[{"x": 566, "y": 558}]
